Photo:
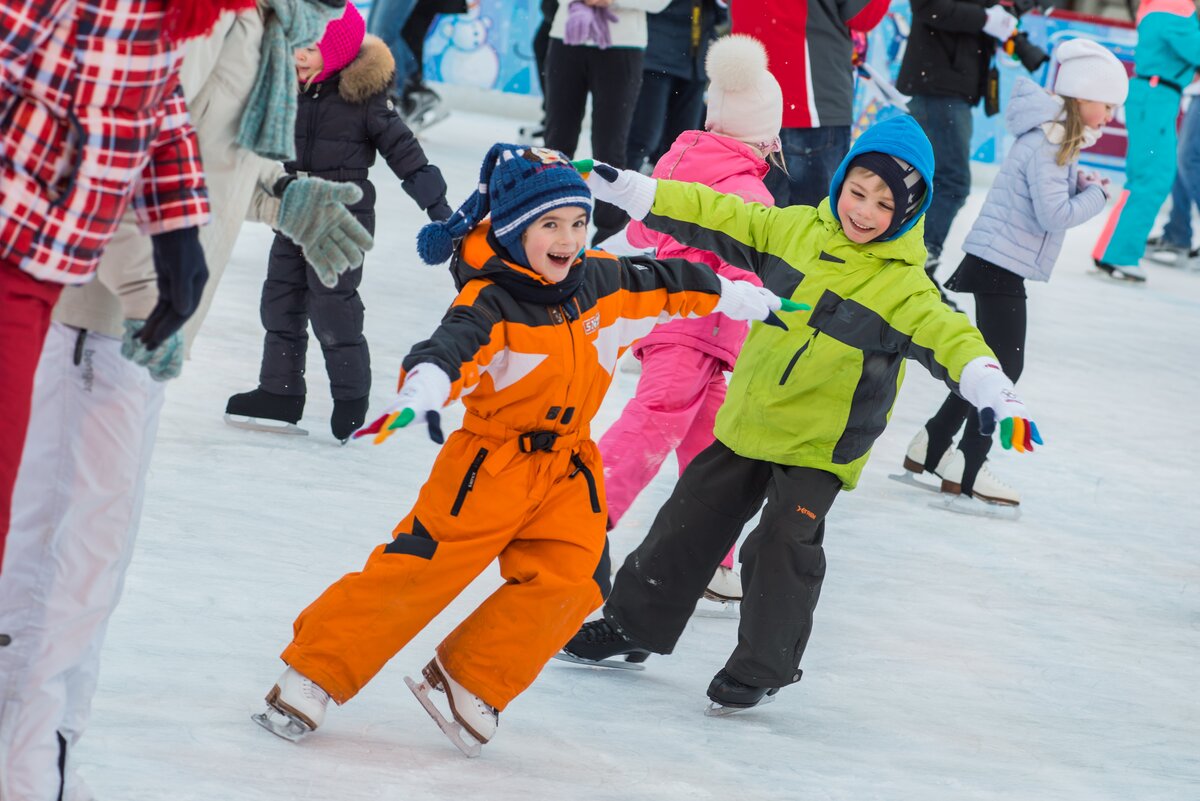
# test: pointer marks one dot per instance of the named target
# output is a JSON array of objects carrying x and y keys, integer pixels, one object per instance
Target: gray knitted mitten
[{"x": 313, "y": 214}]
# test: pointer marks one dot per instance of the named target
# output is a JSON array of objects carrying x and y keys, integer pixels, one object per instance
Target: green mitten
[
  {"x": 164, "y": 362},
  {"x": 313, "y": 214}
]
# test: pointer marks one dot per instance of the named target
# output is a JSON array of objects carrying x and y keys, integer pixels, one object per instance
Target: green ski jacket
[{"x": 819, "y": 394}]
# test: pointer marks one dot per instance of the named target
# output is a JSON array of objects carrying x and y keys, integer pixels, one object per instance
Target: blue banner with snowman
[{"x": 489, "y": 47}]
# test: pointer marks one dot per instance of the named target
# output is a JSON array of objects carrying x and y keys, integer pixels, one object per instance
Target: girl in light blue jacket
[{"x": 1039, "y": 193}]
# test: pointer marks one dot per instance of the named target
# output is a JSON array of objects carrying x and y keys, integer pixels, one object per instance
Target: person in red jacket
[
  {"x": 809, "y": 53},
  {"x": 94, "y": 120}
]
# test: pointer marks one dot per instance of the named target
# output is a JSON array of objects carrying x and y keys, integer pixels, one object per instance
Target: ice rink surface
[{"x": 953, "y": 657}]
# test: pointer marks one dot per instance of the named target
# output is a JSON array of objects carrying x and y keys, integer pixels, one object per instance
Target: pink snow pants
[{"x": 673, "y": 409}]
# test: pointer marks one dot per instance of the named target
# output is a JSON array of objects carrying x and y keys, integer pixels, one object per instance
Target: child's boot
[
  {"x": 296, "y": 706},
  {"x": 597, "y": 642},
  {"x": 987, "y": 487},
  {"x": 726, "y": 585},
  {"x": 348, "y": 416},
  {"x": 259, "y": 405},
  {"x": 472, "y": 713},
  {"x": 918, "y": 452},
  {"x": 729, "y": 695}
]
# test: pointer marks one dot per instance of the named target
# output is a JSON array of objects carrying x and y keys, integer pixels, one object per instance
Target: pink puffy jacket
[{"x": 726, "y": 165}]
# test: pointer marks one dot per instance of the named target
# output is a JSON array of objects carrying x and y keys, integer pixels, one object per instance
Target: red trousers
[{"x": 25, "y": 305}]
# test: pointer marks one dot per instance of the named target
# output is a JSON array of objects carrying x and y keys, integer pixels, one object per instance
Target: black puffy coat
[
  {"x": 344, "y": 120},
  {"x": 948, "y": 53}
]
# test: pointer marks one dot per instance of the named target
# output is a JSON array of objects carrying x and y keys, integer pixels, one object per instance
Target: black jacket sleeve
[{"x": 398, "y": 145}]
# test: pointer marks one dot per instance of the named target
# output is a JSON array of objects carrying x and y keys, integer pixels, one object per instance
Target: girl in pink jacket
[{"x": 683, "y": 361}]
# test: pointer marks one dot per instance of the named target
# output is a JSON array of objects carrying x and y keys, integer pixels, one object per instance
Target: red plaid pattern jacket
[{"x": 92, "y": 118}]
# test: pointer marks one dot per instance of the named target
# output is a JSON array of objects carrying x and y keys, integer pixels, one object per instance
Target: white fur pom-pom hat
[{"x": 744, "y": 99}]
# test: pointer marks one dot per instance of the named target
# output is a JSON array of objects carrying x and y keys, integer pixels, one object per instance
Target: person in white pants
[
  {"x": 78, "y": 501},
  {"x": 78, "y": 497}
]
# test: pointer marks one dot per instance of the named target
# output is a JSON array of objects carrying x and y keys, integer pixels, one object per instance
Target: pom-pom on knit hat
[
  {"x": 517, "y": 184},
  {"x": 744, "y": 99},
  {"x": 342, "y": 40},
  {"x": 1088, "y": 70}
]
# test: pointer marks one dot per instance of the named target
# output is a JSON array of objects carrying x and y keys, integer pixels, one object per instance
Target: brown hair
[{"x": 1074, "y": 132}]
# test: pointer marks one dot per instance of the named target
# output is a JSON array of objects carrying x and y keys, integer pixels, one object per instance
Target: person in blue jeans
[
  {"x": 1174, "y": 246},
  {"x": 386, "y": 20},
  {"x": 671, "y": 100}
]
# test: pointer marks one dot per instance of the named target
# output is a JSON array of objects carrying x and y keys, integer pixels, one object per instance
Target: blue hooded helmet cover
[{"x": 899, "y": 136}]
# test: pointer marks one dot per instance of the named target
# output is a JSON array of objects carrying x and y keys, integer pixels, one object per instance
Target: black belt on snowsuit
[
  {"x": 1156, "y": 80},
  {"x": 339, "y": 174}
]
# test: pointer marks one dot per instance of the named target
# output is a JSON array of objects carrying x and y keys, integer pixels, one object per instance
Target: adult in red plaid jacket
[{"x": 92, "y": 119}]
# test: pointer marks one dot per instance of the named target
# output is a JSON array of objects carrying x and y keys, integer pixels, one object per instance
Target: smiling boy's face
[
  {"x": 865, "y": 205},
  {"x": 553, "y": 240}
]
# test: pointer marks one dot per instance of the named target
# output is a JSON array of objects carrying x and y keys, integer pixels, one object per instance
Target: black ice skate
[
  {"x": 597, "y": 643},
  {"x": 348, "y": 416},
  {"x": 1133, "y": 274},
  {"x": 422, "y": 107},
  {"x": 728, "y": 695},
  {"x": 260, "y": 410}
]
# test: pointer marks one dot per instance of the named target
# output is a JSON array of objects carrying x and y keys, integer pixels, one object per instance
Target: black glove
[
  {"x": 439, "y": 211},
  {"x": 182, "y": 273}
]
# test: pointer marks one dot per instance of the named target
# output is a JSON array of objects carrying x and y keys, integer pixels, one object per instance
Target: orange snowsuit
[{"x": 520, "y": 480}]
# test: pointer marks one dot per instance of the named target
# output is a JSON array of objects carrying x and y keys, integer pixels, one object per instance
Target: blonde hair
[{"x": 1074, "y": 132}]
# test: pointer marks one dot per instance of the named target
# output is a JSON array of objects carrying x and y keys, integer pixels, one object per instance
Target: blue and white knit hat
[{"x": 517, "y": 184}]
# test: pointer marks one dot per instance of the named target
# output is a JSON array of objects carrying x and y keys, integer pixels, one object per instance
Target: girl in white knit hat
[
  {"x": 683, "y": 362},
  {"x": 1039, "y": 193}
]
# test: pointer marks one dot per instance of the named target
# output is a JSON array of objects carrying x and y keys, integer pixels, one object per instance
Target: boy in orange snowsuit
[{"x": 529, "y": 345}]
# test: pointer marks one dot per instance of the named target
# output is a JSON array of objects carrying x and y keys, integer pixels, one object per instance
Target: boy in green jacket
[{"x": 804, "y": 404}]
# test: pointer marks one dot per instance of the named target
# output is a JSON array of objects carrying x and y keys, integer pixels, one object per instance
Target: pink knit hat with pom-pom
[{"x": 342, "y": 40}]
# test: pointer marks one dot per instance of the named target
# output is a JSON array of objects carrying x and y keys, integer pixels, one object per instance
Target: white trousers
[{"x": 76, "y": 506}]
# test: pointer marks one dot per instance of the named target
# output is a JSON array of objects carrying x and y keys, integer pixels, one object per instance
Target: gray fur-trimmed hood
[{"x": 369, "y": 73}]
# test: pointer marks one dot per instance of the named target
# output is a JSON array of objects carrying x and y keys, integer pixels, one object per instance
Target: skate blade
[
  {"x": 961, "y": 504},
  {"x": 282, "y": 725},
  {"x": 427, "y": 121},
  {"x": 715, "y": 710},
  {"x": 563, "y": 656},
  {"x": 254, "y": 424},
  {"x": 452, "y": 729},
  {"x": 1118, "y": 277},
  {"x": 717, "y": 608},
  {"x": 910, "y": 478}
]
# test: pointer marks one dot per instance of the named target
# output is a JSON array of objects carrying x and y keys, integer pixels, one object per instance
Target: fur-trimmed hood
[{"x": 369, "y": 73}]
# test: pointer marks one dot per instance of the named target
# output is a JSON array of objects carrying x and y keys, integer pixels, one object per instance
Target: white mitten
[
  {"x": 742, "y": 300},
  {"x": 626, "y": 189},
  {"x": 1000, "y": 24},
  {"x": 425, "y": 390},
  {"x": 985, "y": 386}
]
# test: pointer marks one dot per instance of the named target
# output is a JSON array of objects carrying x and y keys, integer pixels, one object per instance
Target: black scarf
[{"x": 527, "y": 289}]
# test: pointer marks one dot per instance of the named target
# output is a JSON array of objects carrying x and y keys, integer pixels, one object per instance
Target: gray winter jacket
[{"x": 1033, "y": 200}]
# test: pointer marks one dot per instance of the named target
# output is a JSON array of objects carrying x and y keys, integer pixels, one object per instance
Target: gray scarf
[{"x": 268, "y": 125}]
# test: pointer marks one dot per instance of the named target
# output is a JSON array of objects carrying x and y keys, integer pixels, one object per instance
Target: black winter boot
[
  {"x": 598, "y": 640},
  {"x": 728, "y": 691},
  {"x": 267, "y": 406},
  {"x": 348, "y": 416}
]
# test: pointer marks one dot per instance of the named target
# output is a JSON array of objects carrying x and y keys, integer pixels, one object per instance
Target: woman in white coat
[{"x": 79, "y": 492}]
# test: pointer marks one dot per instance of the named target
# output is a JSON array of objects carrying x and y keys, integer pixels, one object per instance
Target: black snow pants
[
  {"x": 613, "y": 78},
  {"x": 783, "y": 561},
  {"x": 1002, "y": 319},
  {"x": 293, "y": 296}
]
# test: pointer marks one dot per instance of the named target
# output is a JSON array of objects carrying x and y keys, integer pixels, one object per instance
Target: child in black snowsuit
[{"x": 345, "y": 117}]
